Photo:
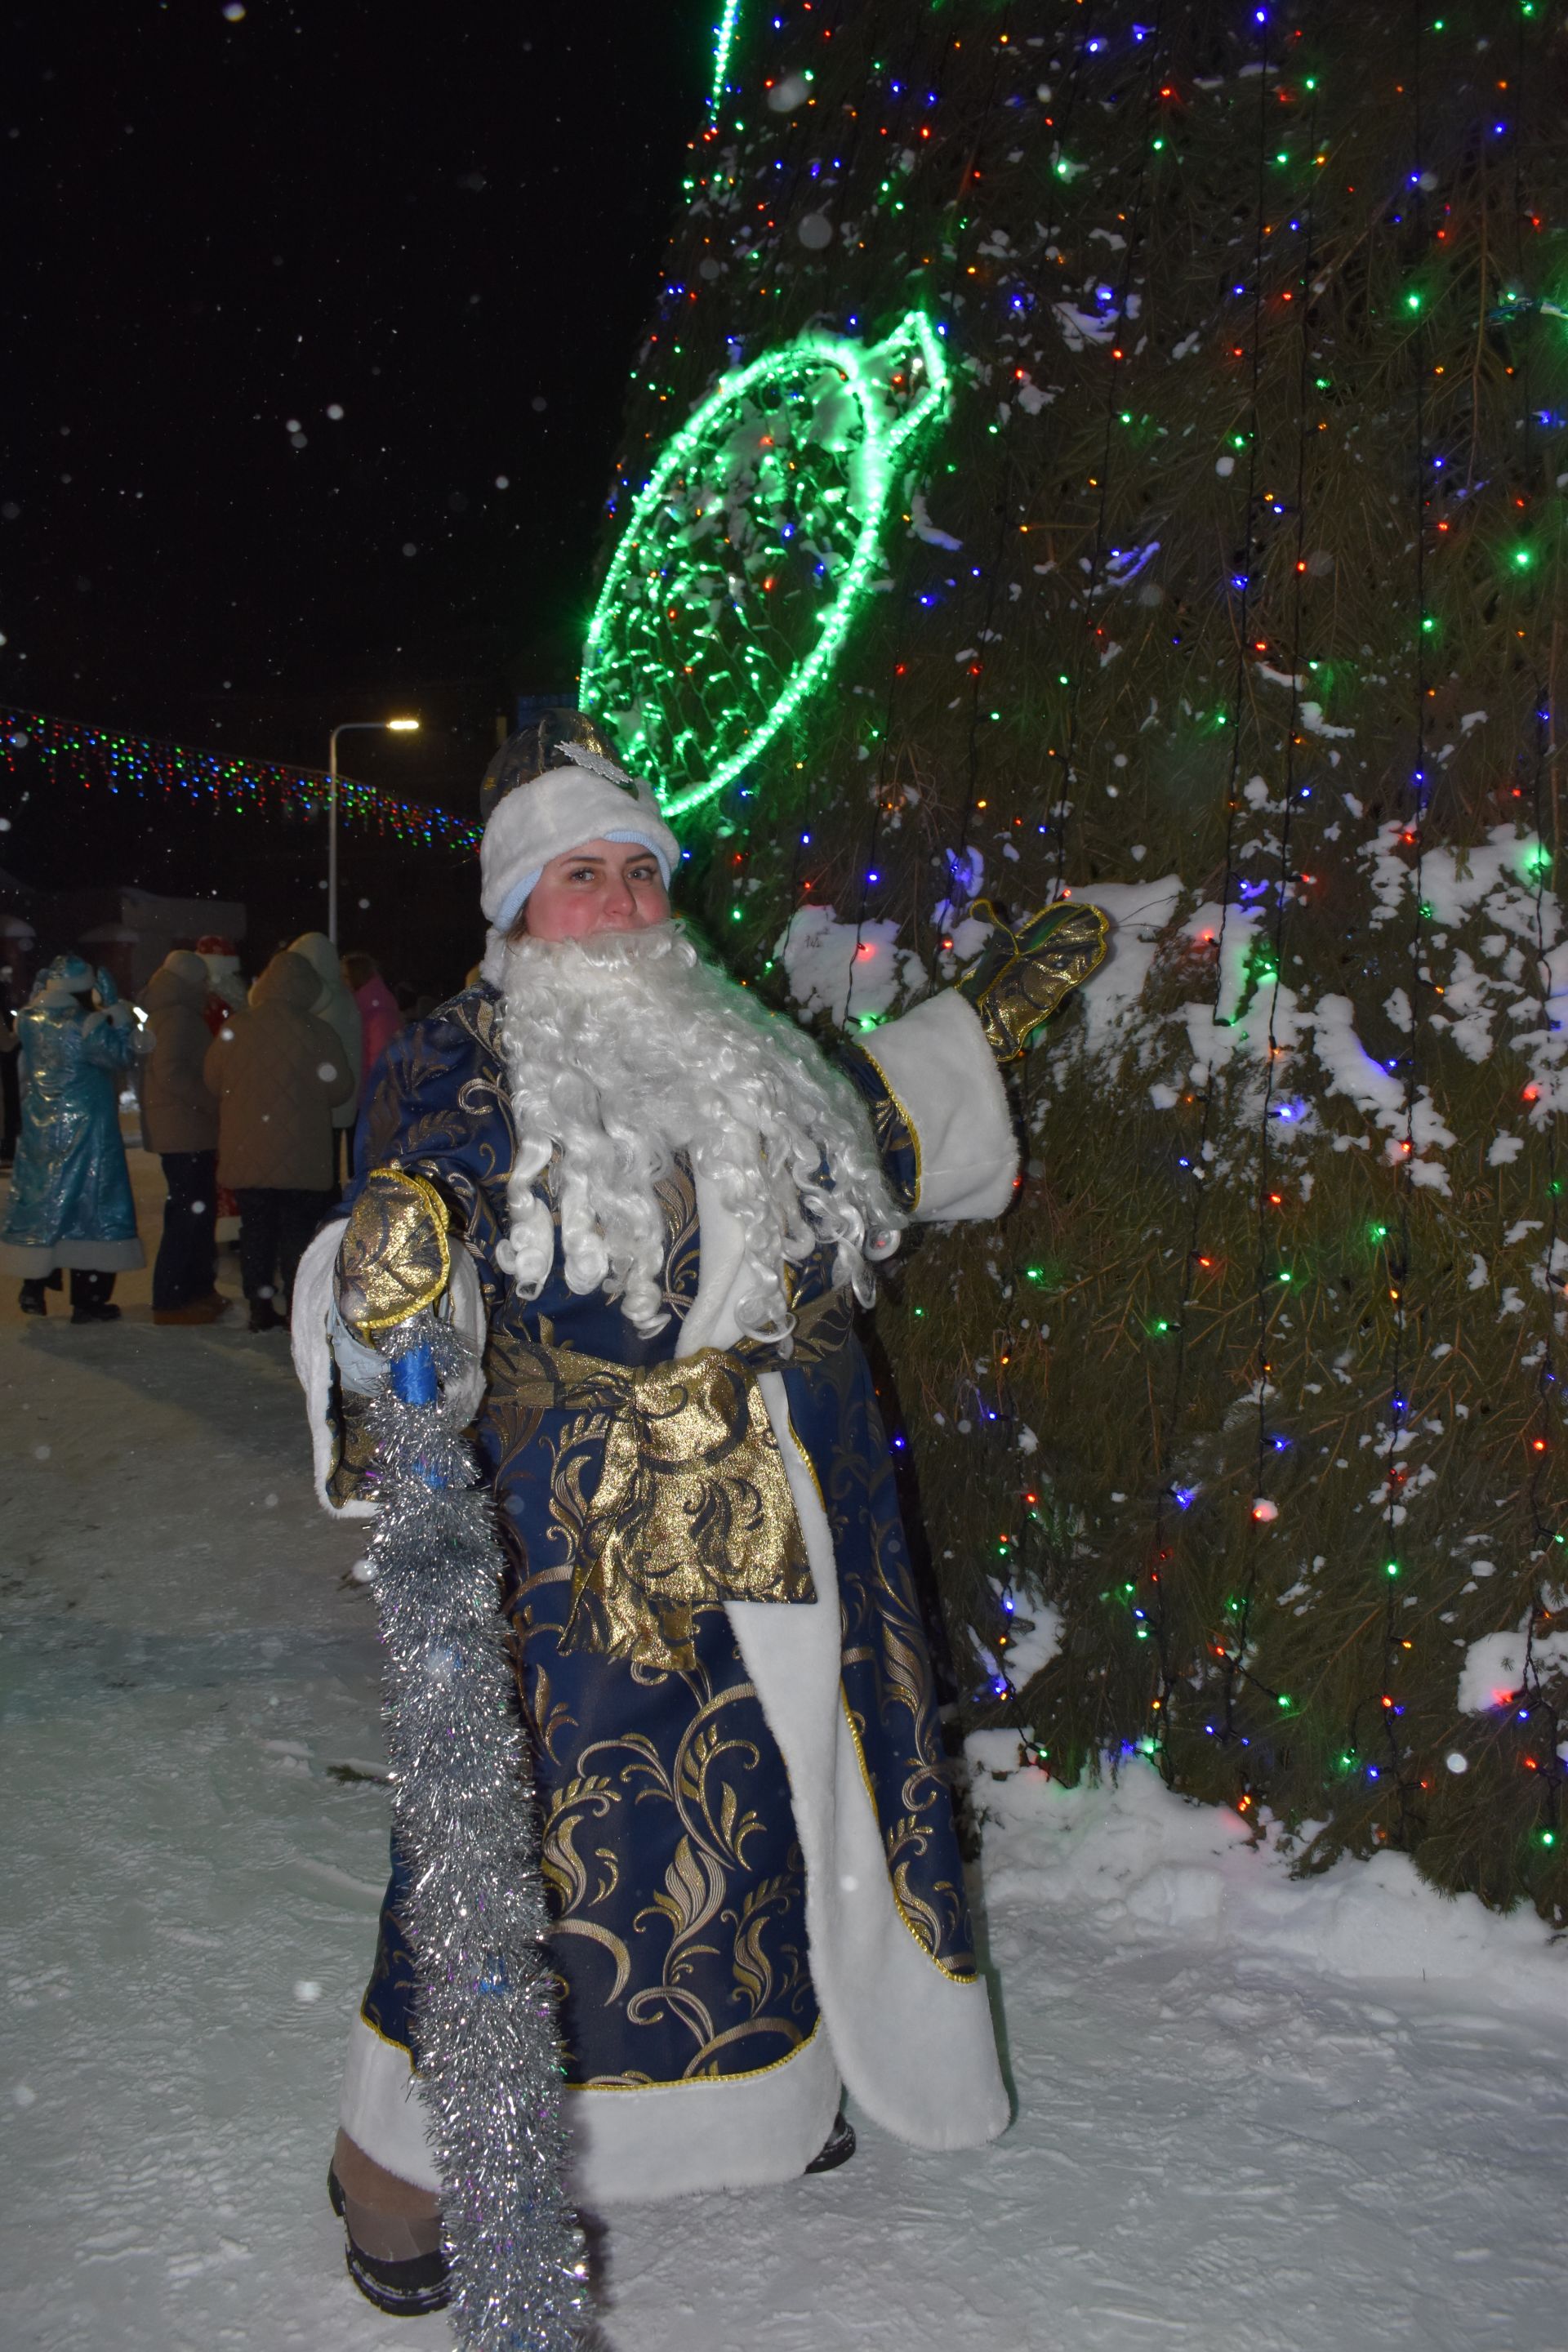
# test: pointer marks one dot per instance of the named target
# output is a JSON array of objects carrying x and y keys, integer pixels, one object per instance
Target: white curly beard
[{"x": 623, "y": 1049}]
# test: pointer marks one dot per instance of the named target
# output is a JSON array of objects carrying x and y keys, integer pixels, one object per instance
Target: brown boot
[{"x": 198, "y": 1310}]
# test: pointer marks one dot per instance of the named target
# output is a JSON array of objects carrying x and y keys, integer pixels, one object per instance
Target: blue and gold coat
[{"x": 748, "y": 1852}]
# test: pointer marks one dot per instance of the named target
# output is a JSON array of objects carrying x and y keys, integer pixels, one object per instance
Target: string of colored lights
[
  {"x": 868, "y": 871},
  {"x": 995, "y": 1411},
  {"x": 1397, "y": 1247},
  {"x": 1082, "y": 647},
  {"x": 145, "y": 765},
  {"x": 1542, "y": 1751},
  {"x": 1020, "y": 1557},
  {"x": 1273, "y": 1280},
  {"x": 1263, "y": 970},
  {"x": 725, "y": 469},
  {"x": 1197, "y": 1263}
]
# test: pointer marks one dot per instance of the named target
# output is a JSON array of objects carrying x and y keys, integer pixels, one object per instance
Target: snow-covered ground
[{"x": 1254, "y": 2116}]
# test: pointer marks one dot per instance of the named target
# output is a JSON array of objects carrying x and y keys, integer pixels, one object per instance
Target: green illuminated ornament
[
  {"x": 723, "y": 42},
  {"x": 749, "y": 550}
]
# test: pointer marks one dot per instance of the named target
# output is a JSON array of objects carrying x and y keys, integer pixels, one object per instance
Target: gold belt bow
[{"x": 691, "y": 1506}]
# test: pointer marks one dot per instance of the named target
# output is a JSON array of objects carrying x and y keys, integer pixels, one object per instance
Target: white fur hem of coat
[
  {"x": 915, "y": 2045},
  {"x": 31, "y": 1262},
  {"x": 630, "y": 2146},
  {"x": 941, "y": 1071}
]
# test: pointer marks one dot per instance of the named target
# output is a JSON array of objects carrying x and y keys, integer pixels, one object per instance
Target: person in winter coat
[
  {"x": 179, "y": 1122},
  {"x": 278, "y": 1073},
  {"x": 71, "y": 1203},
  {"x": 379, "y": 1010},
  {"x": 335, "y": 1005}
]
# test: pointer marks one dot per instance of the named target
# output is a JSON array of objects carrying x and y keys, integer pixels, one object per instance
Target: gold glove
[
  {"x": 396, "y": 1257},
  {"x": 1020, "y": 976}
]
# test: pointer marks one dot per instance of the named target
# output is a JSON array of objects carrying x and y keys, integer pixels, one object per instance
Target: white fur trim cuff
[
  {"x": 310, "y": 1330},
  {"x": 942, "y": 1073}
]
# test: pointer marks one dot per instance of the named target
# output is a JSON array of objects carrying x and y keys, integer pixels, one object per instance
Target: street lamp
[{"x": 349, "y": 727}]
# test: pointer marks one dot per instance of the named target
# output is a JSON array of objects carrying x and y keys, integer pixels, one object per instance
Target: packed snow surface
[{"x": 1254, "y": 2114}]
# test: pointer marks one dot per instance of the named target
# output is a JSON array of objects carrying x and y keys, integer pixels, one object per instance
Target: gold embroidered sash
[{"x": 692, "y": 1504}]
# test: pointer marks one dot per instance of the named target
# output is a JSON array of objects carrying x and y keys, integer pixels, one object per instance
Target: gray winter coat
[
  {"x": 278, "y": 1073},
  {"x": 179, "y": 1110},
  {"x": 335, "y": 1004}
]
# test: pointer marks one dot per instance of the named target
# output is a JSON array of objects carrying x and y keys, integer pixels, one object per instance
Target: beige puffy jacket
[
  {"x": 179, "y": 1110},
  {"x": 279, "y": 1074}
]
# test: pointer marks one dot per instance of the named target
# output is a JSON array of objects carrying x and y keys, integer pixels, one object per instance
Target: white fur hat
[
  {"x": 64, "y": 983},
  {"x": 591, "y": 800}
]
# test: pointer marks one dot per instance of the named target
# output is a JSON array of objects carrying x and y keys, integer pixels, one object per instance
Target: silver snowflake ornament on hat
[{"x": 583, "y": 756}]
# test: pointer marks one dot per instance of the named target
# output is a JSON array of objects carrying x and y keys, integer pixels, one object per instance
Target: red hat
[{"x": 214, "y": 943}]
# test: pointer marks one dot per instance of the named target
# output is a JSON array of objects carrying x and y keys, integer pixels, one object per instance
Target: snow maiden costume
[
  {"x": 71, "y": 1203},
  {"x": 662, "y": 1207}
]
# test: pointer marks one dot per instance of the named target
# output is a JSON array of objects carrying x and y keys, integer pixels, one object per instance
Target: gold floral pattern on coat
[{"x": 711, "y": 1920}]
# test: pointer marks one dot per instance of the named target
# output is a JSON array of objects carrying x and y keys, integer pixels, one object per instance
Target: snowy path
[{"x": 1248, "y": 2124}]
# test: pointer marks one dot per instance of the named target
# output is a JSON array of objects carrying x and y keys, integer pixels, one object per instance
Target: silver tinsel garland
[{"x": 489, "y": 2051}]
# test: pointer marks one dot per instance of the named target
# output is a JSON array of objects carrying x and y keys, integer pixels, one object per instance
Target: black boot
[
  {"x": 836, "y": 2149},
  {"x": 89, "y": 1298},
  {"x": 31, "y": 1298},
  {"x": 406, "y": 2289}
]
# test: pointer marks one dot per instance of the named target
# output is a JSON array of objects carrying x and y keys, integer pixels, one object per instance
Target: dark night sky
[{"x": 445, "y": 222}]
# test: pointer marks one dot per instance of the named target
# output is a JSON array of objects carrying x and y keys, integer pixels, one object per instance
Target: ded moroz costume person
[{"x": 663, "y": 1207}]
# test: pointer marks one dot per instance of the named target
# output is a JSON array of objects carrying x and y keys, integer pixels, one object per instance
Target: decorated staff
[{"x": 650, "y": 1210}]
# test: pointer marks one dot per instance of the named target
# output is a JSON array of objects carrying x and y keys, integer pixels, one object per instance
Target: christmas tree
[{"x": 1119, "y": 450}]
